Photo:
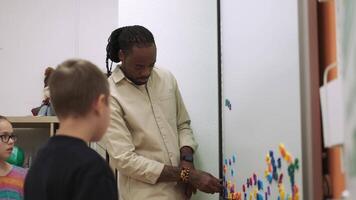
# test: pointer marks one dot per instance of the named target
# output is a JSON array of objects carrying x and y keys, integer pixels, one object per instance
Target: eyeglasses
[{"x": 6, "y": 138}]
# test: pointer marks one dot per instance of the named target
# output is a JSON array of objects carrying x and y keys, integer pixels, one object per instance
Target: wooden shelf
[{"x": 35, "y": 122}]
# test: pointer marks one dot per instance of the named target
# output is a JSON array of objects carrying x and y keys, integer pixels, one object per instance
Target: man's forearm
[{"x": 169, "y": 174}]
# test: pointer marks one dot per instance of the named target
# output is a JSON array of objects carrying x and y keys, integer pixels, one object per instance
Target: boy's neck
[{"x": 76, "y": 127}]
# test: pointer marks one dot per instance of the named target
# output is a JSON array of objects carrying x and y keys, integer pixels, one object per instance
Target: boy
[{"x": 66, "y": 168}]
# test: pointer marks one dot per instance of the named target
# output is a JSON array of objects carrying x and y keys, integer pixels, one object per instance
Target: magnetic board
[{"x": 261, "y": 97}]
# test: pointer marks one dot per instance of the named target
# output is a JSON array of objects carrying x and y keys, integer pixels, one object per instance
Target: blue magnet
[
  {"x": 269, "y": 178},
  {"x": 233, "y": 159},
  {"x": 260, "y": 185},
  {"x": 279, "y": 163},
  {"x": 271, "y": 154},
  {"x": 228, "y": 104},
  {"x": 273, "y": 162}
]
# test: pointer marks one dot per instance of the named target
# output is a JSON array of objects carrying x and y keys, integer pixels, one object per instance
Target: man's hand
[
  {"x": 188, "y": 188},
  {"x": 205, "y": 182}
]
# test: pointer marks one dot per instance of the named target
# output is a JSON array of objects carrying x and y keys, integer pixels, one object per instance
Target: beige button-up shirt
[{"x": 149, "y": 125}]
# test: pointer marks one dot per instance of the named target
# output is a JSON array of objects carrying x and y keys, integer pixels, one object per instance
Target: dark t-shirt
[{"x": 67, "y": 169}]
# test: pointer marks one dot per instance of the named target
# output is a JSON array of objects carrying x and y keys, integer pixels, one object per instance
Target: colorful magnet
[
  {"x": 269, "y": 190},
  {"x": 271, "y": 154},
  {"x": 255, "y": 179},
  {"x": 270, "y": 168},
  {"x": 282, "y": 150},
  {"x": 228, "y": 104},
  {"x": 269, "y": 179},
  {"x": 266, "y": 196},
  {"x": 260, "y": 185},
  {"x": 266, "y": 172},
  {"x": 268, "y": 159},
  {"x": 279, "y": 163},
  {"x": 280, "y": 178},
  {"x": 275, "y": 176},
  {"x": 296, "y": 164}
]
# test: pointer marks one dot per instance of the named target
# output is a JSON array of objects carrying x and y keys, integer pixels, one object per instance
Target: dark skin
[
  {"x": 187, "y": 151},
  {"x": 137, "y": 65}
]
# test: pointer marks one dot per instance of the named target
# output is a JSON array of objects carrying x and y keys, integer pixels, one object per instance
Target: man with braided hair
[{"x": 150, "y": 140}]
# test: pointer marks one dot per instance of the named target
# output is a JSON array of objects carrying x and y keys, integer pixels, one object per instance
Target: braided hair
[{"x": 124, "y": 39}]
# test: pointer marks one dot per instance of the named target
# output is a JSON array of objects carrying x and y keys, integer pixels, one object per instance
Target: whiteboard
[{"x": 261, "y": 90}]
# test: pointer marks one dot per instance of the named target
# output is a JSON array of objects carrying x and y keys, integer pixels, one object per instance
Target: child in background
[
  {"x": 66, "y": 168},
  {"x": 11, "y": 177}
]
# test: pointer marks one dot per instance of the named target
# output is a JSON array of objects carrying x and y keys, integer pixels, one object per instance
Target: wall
[
  {"x": 186, "y": 38},
  {"x": 346, "y": 30},
  {"x": 36, "y": 34}
]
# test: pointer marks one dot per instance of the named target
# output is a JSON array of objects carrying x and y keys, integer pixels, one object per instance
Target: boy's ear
[{"x": 100, "y": 104}]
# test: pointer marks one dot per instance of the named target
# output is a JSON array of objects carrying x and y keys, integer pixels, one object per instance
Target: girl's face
[{"x": 6, "y": 139}]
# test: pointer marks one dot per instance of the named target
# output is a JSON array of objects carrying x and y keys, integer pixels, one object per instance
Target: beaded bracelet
[{"x": 184, "y": 175}]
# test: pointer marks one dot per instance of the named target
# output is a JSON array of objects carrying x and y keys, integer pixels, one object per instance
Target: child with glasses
[{"x": 11, "y": 177}]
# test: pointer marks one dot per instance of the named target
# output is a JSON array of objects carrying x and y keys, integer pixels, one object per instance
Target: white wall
[
  {"x": 36, "y": 34},
  {"x": 186, "y": 38},
  {"x": 346, "y": 30}
]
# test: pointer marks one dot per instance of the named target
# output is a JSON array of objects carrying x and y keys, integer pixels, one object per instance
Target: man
[{"x": 150, "y": 140}]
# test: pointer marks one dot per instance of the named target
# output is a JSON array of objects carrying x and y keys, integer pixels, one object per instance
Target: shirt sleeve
[
  {"x": 119, "y": 144},
  {"x": 186, "y": 137},
  {"x": 96, "y": 181}
]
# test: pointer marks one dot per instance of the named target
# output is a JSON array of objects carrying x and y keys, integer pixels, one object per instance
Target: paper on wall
[{"x": 332, "y": 106}]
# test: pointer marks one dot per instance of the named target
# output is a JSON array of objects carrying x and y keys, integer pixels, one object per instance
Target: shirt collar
[{"x": 117, "y": 74}]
